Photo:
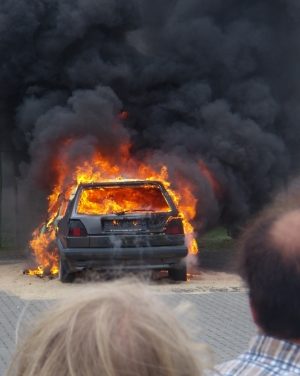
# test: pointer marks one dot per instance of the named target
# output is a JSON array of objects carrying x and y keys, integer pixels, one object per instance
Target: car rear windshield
[{"x": 121, "y": 199}]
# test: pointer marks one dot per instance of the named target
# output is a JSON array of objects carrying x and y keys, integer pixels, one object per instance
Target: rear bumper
[{"x": 125, "y": 258}]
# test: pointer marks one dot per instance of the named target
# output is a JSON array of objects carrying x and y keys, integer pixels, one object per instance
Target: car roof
[{"x": 121, "y": 183}]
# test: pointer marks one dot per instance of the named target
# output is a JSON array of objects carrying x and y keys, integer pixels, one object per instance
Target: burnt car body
[{"x": 148, "y": 236}]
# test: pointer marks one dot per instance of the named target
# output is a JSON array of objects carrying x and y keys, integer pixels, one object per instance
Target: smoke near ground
[{"x": 207, "y": 80}]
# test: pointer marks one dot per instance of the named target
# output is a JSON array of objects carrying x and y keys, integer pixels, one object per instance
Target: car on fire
[{"x": 123, "y": 225}]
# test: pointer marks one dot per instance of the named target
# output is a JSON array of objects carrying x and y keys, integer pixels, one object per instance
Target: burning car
[{"x": 128, "y": 225}]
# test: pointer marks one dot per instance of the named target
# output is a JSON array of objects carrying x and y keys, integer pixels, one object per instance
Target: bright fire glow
[
  {"x": 118, "y": 199},
  {"x": 98, "y": 169}
]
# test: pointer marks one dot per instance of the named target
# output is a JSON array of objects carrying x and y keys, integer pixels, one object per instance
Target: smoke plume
[{"x": 203, "y": 80}]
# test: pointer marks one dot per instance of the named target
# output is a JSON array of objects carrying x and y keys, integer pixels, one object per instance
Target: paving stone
[{"x": 221, "y": 319}]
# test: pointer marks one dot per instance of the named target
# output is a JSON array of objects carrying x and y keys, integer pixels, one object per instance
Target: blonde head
[{"x": 122, "y": 329}]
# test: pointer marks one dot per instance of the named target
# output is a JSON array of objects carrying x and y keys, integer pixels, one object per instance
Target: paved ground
[
  {"x": 218, "y": 315},
  {"x": 221, "y": 319}
]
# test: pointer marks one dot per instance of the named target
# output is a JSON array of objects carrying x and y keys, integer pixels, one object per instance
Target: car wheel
[
  {"x": 64, "y": 275},
  {"x": 178, "y": 272}
]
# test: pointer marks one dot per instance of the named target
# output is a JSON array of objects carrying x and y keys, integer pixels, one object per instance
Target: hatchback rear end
[{"x": 124, "y": 225}]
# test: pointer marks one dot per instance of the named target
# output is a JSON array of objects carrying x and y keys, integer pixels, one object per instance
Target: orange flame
[
  {"x": 46, "y": 260},
  {"x": 112, "y": 200},
  {"x": 96, "y": 169}
]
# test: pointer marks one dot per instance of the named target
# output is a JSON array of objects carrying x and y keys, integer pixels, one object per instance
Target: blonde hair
[{"x": 122, "y": 329}]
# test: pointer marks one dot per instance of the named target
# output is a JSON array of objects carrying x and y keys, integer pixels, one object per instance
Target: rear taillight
[
  {"x": 76, "y": 228},
  {"x": 174, "y": 227}
]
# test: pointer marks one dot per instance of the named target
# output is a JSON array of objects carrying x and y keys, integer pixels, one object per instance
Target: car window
[{"x": 121, "y": 199}]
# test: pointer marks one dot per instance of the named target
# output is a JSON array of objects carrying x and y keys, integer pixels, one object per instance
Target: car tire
[
  {"x": 178, "y": 272},
  {"x": 63, "y": 274}
]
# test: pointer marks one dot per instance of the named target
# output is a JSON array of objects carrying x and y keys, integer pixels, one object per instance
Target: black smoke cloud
[{"x": 208, "y": 80}]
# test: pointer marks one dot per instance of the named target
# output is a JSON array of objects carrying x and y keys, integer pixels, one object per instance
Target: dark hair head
[{"x": 270, "y": 265}]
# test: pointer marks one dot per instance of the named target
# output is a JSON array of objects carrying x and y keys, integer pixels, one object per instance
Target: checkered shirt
[{"x": 265, "y": 356}]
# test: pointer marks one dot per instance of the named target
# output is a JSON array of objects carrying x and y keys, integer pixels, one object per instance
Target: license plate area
[{"x": 124, "y": 225}]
